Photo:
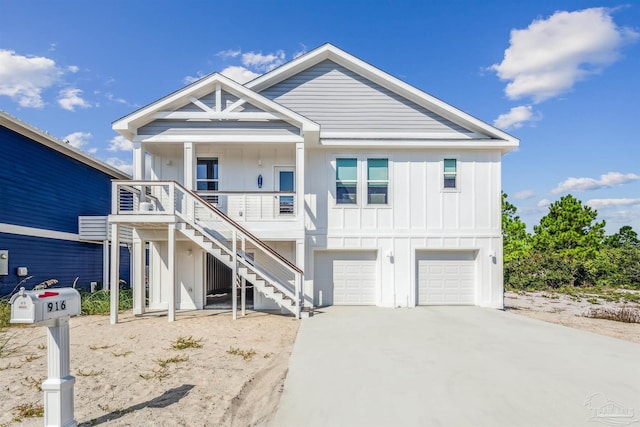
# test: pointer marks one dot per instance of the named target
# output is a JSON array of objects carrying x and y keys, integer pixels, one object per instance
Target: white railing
[
  {"x": 169, "y": 197},
  {"x": 253, "y": 205}
]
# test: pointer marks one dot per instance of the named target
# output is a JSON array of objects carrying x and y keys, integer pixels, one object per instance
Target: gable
[{"x": 341, "y": 100}]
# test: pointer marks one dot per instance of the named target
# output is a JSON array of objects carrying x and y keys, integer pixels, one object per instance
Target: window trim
[
  {"x": 361, "y": 185},
  {"x": 456, "y": 174},
  {"x": 207, "y": 180},
  {"x": 357, "y": 181},
  {"x": 367, "y": 181}
]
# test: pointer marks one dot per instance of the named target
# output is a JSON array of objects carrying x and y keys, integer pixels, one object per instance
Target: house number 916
[{"x": 56, "y": 306}]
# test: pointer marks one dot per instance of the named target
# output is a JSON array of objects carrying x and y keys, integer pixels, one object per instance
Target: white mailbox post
[{"x": 52, "y": 308}]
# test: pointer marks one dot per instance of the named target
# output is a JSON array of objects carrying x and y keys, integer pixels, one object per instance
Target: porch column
[
  {"x": 300, "y": 181},
  {"x": 138, "y": 161},
  {"x": 137, "y": 276},
  {"x": 189, "y": 156},
  {"x": 171, "y": 266},
  {"x": 115, "y": 271},
  {"x": 243, "y": 282},
  {"x": 234, "y": 275}
]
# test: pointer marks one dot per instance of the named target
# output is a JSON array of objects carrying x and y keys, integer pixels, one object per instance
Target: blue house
[{"x": 46, "y": 188}]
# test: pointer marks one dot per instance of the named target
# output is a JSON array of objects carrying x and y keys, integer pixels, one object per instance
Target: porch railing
[{"x": 253, "y": 205}]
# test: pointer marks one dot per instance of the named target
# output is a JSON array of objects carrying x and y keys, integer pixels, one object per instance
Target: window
[
  {"x": 377, "y": 181},
  {"x": 207, "y": 175},
  {"x": 450, "y": 173},
  {"x": 346, "y": 181}
]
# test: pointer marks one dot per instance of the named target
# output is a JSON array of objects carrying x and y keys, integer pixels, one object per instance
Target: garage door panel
[
  {"x": 346, "y": 278},
  {"x": 446, "y": 278}
]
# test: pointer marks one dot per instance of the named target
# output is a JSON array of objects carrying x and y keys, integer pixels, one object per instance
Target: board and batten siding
[
  {"x": 43, "y": 188},
  {"x": 62, "y": 260},
  {"x": 417, "y": 202},
  {"x": 343, "y": 101}
]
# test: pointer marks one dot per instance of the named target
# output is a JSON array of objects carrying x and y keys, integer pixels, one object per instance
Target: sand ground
[
  {"x": 129, "y": 374},
  {"x": 234, "y": 379}
]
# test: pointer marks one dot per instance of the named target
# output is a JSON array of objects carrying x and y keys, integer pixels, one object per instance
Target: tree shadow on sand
[{"x": 167, "y": 398}]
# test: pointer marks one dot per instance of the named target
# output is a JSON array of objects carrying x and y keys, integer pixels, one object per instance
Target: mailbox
[{"x": 40, "y": 306}]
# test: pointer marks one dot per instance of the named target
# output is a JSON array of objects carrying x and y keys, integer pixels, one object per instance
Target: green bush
[{"x": 100, "y": 302}]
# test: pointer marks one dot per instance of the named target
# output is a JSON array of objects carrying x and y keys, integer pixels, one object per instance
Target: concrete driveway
[{"x": 455, "y": 366}]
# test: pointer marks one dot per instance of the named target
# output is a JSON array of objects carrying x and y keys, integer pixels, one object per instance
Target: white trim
[
  {"x": 220, "y": 138},
  {"x": 201, "y": 104},
  {"x": 439, "y": 144},
  {"x": 214, "y": 115},
  {"x": 43, "y": 233}
]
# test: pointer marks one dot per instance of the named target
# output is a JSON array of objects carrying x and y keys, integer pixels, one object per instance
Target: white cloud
[
  {"x": 544, "y": 203},
  {"x": 70, "y": 98},
  {"x": 23, "y": 78},
  {"x": 302, "y": 51},
  {"x": 92, "y": 150},
  {"x": 120, "y": 143},
  {"x": 524, "y": 195},
  {"x": 551, "y": 55},
  {"x": 120, "y": 164},
  {"x": 229, "y": 53},
  {"x": 73, "y": 68},
  {"x": 516, "y": 117},
  {"x": 610, "y": 179},
  {"x": 611, "y": 203},
  {"x": 78, "y": 139},
  {"x": 112, "y": 98},
  {"x": 239, "y": 74},
  {"x": 190, "y": 79},
  {"x": 260, "y": 62}
]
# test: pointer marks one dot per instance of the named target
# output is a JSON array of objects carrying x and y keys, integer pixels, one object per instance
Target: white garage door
[
  {"x": 446, "y": 278},
  {"x": 345, "y": 278}
]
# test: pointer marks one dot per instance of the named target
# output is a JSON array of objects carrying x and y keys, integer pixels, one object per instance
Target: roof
[
  {"x": 339, "y": 56},
  {"x": 44, "y": 138},
  {"x": 202, "y": 87}
]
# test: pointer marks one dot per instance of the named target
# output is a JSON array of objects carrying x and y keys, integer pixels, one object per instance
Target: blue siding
[
  {"x": 55, "y": 259},
  {"x": 42, "y": 188}
]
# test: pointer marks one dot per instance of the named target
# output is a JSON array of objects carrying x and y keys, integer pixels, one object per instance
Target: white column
[
  {"x": 137, "y": 274},
  {"x": 138, "y": 161},
  {"x": 189, "y": 166},
  {"x": 234, "y": 275},
  {"x": 243, "y": 282},
  {"x": 58, "y": 388},
  {"x": 171, "y": 267},
  {"x": 115, "y": 271},
  {"x": 300, "y": 181}
]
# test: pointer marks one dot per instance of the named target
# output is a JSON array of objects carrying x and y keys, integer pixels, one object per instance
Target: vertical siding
[
  {"x": 341, "y": 100},
  {"x": 42, "y": 188},
  {"x": 55, "y": 259}
]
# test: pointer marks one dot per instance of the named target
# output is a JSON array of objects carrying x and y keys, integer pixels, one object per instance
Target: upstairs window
[
  {"x": 207, "y": 175},
  {"x": 450, "y": 173},
  {"x": 346, "y": 181},
  {"x": 377, "y": 181}
]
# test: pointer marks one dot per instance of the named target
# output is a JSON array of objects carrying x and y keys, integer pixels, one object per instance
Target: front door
[{"x": 285, "y": 182}]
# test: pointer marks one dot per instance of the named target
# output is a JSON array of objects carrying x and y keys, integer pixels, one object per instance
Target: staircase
[{"x": 223, "y": 238}]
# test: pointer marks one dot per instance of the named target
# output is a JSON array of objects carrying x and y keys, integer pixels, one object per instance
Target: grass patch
[
  {"x": 28, "y": 410},
  {"x": 99, "y": 347},
  {"x": 245, "y": 354},
  {"x": 91, "y": 373},
  {"x": 5, "y": 313},
  {"x": 31, "y": 357},
  {"x": 100, "y": 302},
  {"x": 7, "y": 347},
  {"x": 183, "y": 343},
  {"x": 163, "y": 363},
  {"x": 121, "y": 354},
  {"x": 33, "y": 383},
  {"x": 625, "y": 314}
]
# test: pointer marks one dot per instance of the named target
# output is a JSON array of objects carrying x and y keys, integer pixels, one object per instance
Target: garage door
[
  {"x": 345, "y": 278},
  {"x": 446, "y": 278}
]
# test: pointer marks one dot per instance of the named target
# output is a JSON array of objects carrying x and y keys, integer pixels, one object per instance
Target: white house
[{"x": 323, "y": 182}]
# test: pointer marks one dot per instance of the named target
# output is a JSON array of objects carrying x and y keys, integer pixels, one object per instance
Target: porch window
[
  {"x": 377, "y": 181},
  {"x": 346, "y": 181},
  {"x": 207, "y": 175}
]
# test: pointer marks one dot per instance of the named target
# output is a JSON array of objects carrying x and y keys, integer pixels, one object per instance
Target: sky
[{"x": 563, "y": 76}]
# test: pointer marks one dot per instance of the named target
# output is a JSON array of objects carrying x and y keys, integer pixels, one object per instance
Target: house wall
[
  {"x": 43, "y": 191},
  {"x": 341, "y": 100},
  {"x": 420, "y": 216}
]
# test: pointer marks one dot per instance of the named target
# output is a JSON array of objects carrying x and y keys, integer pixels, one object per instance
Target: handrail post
[
  {"x": 234, "y": 274},
  {"x": 243, "y": 283},
  {"x": 298, "y": 294},
  {"x": 172, "y": 198},
  {"x": 115, "y": 197}
]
